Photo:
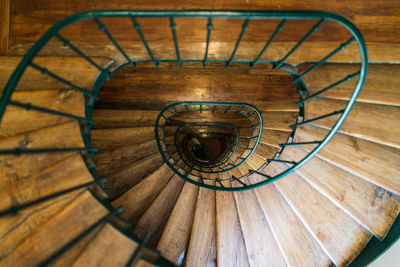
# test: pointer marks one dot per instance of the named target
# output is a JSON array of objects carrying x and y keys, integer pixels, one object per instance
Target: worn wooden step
[
  {"x": 18, "y": 120},
  {"x": 382, "y": 76},
  {"x": 278, "y": 120},
  {"x": 110, "y": 161},
  {"x": 14, "y": 228},
  {"x": 274, "y": 137},
  {"x": 371, "y": 206},
  {"x": 111, "y": 118},
  {"x": 255, "y": 162},
  {"x": 260, "y": 242},
  {"x": 109, "y": 241},
  {"x": 132, "y": 90},
  {"x": 57, "y": 232},
  {"x": 72, "y": 254},
  {"x": 231, "y": 250},
  {"x": 153, "y": 221},
  {"x": 109, "y": 139},
  {"x": 48, "y": 182},
  {"x": 73, "y": 69},
  {"x": 14, "y": 167},
  {"x": 376, "y": 123},
  {"x": 202, "y": 247},
  {"x": 265, "y": 151},
  {"x": 314, "y": 209},
  {"x": 178, "y": 228},
  {"x": 136, "y": 200},
  {"x": 122, "y": 180},
  {"x": 298, "y": 246},
  {"x": 373, "y": 162}
]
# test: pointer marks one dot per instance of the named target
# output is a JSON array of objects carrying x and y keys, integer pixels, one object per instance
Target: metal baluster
[
  {"x": 348, "y": 78},
  {"x": 318, "y": 118},
  {"x": 314, "y": 29},
  {"x": 301, "y": 143},
  {"x": 15, "y": 208},
  {"x": 67, "y": 43},
  {"x": 29, "y": 106},
  {"x": 173, "y": 29},
  {"x": 340, "y": 48},
  {"x": 104, "y": 29},
  {"x": 73, "y": 242},
  {"x": 209, "y": 28},
  {"x": 58, "y": 78},
  {"x": 244, "y": 28},
  {"x": 277, "y": 30},
  {"x": 282, "y": 161},
  {"x": 139, "y": 31}
]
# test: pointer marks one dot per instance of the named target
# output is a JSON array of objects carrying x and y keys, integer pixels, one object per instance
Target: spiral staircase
[{"x": 113, "y": 153}]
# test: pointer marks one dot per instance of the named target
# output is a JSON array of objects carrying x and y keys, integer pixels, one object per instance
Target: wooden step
[
  {"x": 109, "y": 241},
  {"x": 255, "y": 162},
  {"x": 297, "y": 245},
  {"x": 110, "y": 161},
  {"x": 278, "y": 120},
  {"x": 376, "y": 123},
  {"x": 14, "y": 168},
  {"x": 73, "y": 69},
  {"x": 183, "y": 87},
  {"x": 46, "y": 183},
  {"x": 109, "y": 139},
  {"x": 266, "y": 151},
  {"x": 14, "y": 228},
  {"x": 231, "y": 250},
  {"x": 328, "y": 224},
  {"x": 112, "y": 118},
  {"x": 373, "y": 162},
  {"x": 202, "y": 247},
  {"x": 136, "y": 200},
  {"x": 260, "y": 243},
  {"x": 156, "y": 216},
  {"x": 178, "y": 228},
  {"x": 371, "y": 206},
  {"x": 71, "y": 255},
  {"x": 57, "y": 232},
  {"x": 382, "y": 76},
  {"x": 274, "y": 137},
  {"x": 18, "y": 120},
  {"x": 121, "y": 181}
]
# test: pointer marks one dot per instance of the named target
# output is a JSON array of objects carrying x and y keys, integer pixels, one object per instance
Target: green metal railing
[
  {"x": 186, "y": 110},
  {"x": 90, "y": 95}
]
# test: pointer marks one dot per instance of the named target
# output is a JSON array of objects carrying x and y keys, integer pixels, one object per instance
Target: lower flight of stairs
[{"x": 324, "y": 213}]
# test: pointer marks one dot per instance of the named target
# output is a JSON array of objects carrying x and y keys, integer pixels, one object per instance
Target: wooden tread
[
  {"x": 109, "y": 241},
  {"x": 57, "y": 232},
  {"x": 373, "y": 162},
  {"x": 137, "y": 199},
  {"x": 328, "y": 224},
  {"x": 376, "y": 123},
  {"x": 292, "y": 236},
  {"x": 178, "y": 228},
  {"x": 371, "y": 206}
]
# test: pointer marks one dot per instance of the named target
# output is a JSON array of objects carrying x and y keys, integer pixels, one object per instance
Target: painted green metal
[{"x": 210, "y": 15}]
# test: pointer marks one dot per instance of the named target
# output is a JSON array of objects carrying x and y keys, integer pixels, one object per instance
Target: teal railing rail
[{"x": 250, "y": 17}]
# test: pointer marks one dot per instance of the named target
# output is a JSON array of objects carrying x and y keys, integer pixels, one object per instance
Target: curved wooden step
[{"x": 370, "y": 205}]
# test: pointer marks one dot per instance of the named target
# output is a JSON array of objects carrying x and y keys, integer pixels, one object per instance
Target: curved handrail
[{"x": 284, "y": 15}]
